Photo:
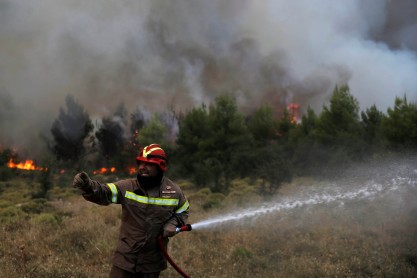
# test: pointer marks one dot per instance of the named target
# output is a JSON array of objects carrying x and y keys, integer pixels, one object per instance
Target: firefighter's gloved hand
[
  {"x": 169, "y": 230},
  {"x": 81, "y": 181}
]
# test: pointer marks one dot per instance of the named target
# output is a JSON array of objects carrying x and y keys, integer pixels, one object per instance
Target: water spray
[{"x": 333, "y": 194}]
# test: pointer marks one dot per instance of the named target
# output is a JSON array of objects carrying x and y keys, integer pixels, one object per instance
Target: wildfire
[
  {"x": 135, "y": 139},
  {"x": 132, "y": 170},
  {"x": 104, "y": 170},
  {"x": 110, "y": 170},
  {"x": 294, "y": 110},
  {"x": 27, "y": 165}
]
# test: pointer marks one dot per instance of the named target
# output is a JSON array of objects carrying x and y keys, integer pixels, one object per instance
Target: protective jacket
[{"x": 145, "y": 211}]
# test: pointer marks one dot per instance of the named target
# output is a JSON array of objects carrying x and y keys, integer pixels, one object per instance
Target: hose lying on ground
[{"x": 171, "y": 262}]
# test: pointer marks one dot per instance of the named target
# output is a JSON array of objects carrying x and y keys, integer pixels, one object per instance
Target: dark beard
[{"x": 149, "y": 182}]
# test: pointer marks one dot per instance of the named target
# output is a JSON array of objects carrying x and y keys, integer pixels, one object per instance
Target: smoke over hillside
[{"x": 182, "y": 53}]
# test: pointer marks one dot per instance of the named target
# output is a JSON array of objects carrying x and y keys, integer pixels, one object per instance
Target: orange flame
[
  {"x": 294, "y": 110},
  {"x": 104, "y": 170},
  {"x": 27, "y": 165},
  {"x": 135, "y": 138},
  {"x": 132, "y": 170}
]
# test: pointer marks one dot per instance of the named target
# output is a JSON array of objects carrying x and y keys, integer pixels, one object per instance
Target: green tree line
[{"x": 214, "y": 144}]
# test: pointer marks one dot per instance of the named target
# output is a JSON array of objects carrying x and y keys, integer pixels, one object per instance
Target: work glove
[
  {"x": 169, "y": 231},
  {"x": 81, "y": 181}
]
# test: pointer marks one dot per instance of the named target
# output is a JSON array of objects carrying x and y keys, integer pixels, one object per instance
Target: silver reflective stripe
[
  {"x": 183, "y": 208},
  {"x": 113, "y": 191},
  {"x": 150, "y": 200}
]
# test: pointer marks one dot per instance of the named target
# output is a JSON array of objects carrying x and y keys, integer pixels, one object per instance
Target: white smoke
[{"x": 182, "y": 53}]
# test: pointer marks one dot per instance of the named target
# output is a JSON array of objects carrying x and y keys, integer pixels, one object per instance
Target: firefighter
[{"x": 151, "y": 205}]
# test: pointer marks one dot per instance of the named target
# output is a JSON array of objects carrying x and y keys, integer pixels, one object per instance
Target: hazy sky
[{"x": 181, "y": 53}]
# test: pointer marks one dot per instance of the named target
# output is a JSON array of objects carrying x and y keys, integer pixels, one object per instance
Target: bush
[
  {"x": 214, "y": 200},
  {"x": 5, "y": 203},
  {"x": 63, "y": 193},
  {"x": 185, "y": 185},
  {"x": 73, "y": 241},
  {"x": 63, "y": 180},
  {"x": 200, "y": 197},
  {"x": 51, "y": 219},
  {"x": 104, "y": 178},
  {"x": 35, "y": 206},
  {"x": 242, "y": 253},
  {"x": 5, "y": 173},
  {"x": 11, "y": 214}
]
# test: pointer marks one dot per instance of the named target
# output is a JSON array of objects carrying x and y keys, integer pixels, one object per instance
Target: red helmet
[{"x": 153, "y": 154}]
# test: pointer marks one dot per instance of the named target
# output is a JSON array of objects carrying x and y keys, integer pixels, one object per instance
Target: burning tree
[
  {"x": 5, "y": 156},
  {"x": 70, "y": 130},
  {"x": 138, "y": 119}
]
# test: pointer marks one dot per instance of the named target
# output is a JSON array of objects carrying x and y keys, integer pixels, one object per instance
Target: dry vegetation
[{"x": 69, "y": 237}]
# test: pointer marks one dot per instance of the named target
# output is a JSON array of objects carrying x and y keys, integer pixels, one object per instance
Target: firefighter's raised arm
[
  {"x": 93, "y": 191},
  {"x": 82, "y": 181}
]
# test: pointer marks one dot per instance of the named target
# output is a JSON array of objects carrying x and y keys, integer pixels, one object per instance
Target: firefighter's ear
[{"x": 163, "y": 164}]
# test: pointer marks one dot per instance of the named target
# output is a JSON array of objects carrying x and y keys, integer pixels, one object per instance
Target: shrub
[
  {"x": 214, "y": 200},
  {"x": 11, "y": 214},
  {"x": 5, "y": 203},
  {"x": 63, "y": 180},
  {"x": 63, "y": 193},
  {"x": 185, "y": 185},
  {"x": 242, "y": 253},
  {"x": 5, "y": 173},
  {"x": 35, "y": 206},
  {"x": 51, "y": 219}
]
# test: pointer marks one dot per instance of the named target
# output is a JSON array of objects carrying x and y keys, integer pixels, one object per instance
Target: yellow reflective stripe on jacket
[
  {"x": 150, "y": 200},
  {"x": 113, "y": 192},
  {"x": 183, "y": 208}
]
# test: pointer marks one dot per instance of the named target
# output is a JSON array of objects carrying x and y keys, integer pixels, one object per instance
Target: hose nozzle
[{"x": 185, "y": 228}]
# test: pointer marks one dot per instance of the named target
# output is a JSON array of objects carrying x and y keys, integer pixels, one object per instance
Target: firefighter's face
[{"x": 147, "y": 169}]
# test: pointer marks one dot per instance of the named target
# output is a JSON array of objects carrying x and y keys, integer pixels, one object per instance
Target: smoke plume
[{"x": 158, "y": 54}]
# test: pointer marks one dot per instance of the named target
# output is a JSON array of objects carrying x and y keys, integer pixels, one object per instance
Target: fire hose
[{"x": 184, "y": 228}]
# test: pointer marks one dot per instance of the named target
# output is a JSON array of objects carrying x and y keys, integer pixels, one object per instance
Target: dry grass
[
  {"x": 318, "y": 247},
  {"x": 69, "y": 237}
]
